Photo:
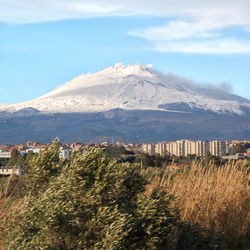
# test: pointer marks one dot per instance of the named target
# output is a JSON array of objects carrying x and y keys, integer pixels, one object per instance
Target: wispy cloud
[
  {"x": 217, "y": 46},
  {"x": 195, "y": 27},
  {"x": 29, "y": 11},
  {"x": 19, "y": 11},
  {"x": 203, "y": 29}
]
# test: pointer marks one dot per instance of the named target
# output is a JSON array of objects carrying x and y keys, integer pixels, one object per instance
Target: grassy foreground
[{"x": 92, "y": 202}]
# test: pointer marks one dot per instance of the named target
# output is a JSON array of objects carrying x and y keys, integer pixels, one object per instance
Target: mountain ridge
[{"x": 122, "y": 125}]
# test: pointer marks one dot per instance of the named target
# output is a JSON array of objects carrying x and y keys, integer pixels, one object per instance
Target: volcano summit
[
  {"x": 129, "y": 102},
  {"x": 133, "y": 87}
]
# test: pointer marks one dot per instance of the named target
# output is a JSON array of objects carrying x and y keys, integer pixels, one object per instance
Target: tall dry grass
[
  {"x": 9, "y": 208},
  {"x": 215, "y": 197}
]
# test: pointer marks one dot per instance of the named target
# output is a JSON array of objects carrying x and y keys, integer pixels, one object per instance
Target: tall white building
[
  {"x": 202, "y": 147},
  {"x": 160, "y": 148},
  {"x": 171, "y": 148},
  {"x": 217, "y": 148},
  {"x": 189, "y": 148},
  {"x": 180, "y": 148},
  {"x": 148, "y": 148}
]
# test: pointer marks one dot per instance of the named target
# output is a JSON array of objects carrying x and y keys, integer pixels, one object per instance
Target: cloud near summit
[{"x": 192, "y": 26}]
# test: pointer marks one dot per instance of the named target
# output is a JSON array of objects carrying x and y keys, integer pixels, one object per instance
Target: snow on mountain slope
[{"x": 131, "y": 87}]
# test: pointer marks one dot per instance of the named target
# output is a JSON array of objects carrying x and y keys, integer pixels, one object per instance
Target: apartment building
[
  {"x": 187, "y": 147},
  {"x": 160, "y": 148},
  {"x": 5, "y": 154},
  {"x": 217, "y": 148},
  {"x": 148, "y": 148}
]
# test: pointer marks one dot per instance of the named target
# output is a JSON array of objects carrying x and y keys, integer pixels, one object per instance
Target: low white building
[
  {"x": 34, "y": 150},
  {"x": 8, "y": 170},
  {"x": 64, "y": 153},
  {"x": 119, "y": 143},
  {"x": 5, "y": 154}
]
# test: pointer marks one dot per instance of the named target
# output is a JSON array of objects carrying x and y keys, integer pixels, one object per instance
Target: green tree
[
  {"x": 116, "y": 151},
  {"x": 16, "y": 159},
  {"x": 239, "y": 148},
  {"x": 3, "y": 162},
  {"x": 43, "y": 167},
  {"x": 146, "y": 160},
  {"x": 28, "y": 159}
]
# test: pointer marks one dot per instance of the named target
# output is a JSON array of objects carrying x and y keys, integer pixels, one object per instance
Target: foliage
[
  {"x": 116, "y": 151},
  {"x": 153, "y": 160},
  {"x": 42, "y": 168},
  {"x": 239, "y": 148},
  {"x": 27, "y": 161},
  {"x": 91, "y": 202},
  {"x": 3, "y": 162},
  {"x": 16, "y": 159}
]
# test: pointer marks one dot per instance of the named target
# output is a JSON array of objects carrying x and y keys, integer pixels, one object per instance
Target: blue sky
[{"x": 44, "y": 45}]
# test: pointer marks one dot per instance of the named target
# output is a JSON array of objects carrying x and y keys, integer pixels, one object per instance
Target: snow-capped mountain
[{"x": 132, "y": 87}]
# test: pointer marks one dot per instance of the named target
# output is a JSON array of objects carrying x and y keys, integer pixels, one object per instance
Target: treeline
[
  {"x": 146, "y": 160},
  {"x": 123, "y": 155}
]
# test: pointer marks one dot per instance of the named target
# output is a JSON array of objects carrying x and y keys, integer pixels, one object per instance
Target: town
[{"x": 226, "y": 150}]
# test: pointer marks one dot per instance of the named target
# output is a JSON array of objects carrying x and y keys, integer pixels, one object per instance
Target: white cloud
[
  {"x": 196, "y": 26},
  {"x": 217, "y": 46},
  {"x": 180, "y": 29},
  {"x": 29, "y": 11},
  {"x": 203, "y": 29},
  {"x": 197, "y": 36},
  {"x": 44, "y": 10}
]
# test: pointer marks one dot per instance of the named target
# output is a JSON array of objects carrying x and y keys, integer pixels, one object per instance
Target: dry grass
[
  {"x": 217, "y": 198},
  {"x": 8, "y": 208}
]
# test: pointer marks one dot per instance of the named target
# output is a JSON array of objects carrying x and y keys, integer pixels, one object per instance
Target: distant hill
[{"x": 122, "y": 125}]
